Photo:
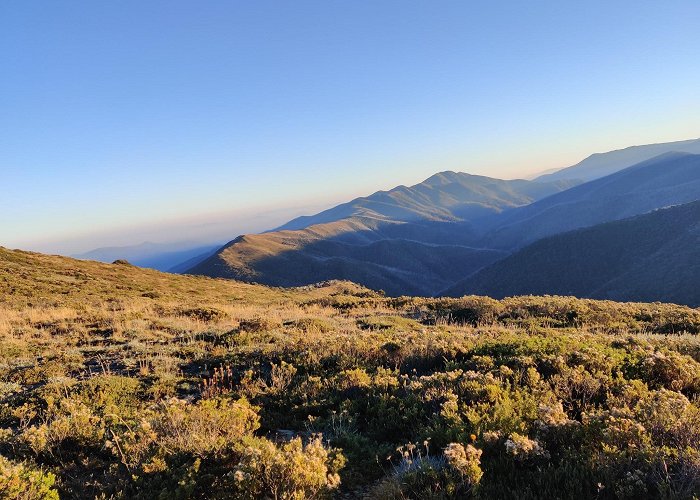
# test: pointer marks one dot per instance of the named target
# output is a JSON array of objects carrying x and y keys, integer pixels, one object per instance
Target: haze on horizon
[{"x": 173, "y": 121}]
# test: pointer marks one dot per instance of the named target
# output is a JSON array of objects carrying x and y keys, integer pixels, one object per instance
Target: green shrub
[
  {"x": 455, "y": 474},
  {"x": 209, "y": 428},
  {"x": 70, "y": 426},
  {"x": 22, "y": 482},
  {"x": 292, "y": 471}
]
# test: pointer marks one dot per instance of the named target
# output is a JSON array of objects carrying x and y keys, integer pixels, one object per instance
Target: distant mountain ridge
[
  {"x": 601, "y": 164},
  {"x": 446, "y": 196},
  {"x": 650, "y": 257},
  {"x": 159, "y": 256},
  {"x": 668, "y": 179}
]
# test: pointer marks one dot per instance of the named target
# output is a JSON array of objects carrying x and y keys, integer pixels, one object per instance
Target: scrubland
[{"x": 117, "y": 382}]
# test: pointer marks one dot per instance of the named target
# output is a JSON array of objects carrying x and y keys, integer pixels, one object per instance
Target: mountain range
[
  {"x": 445, "y": 196},
  {"x": 457, "y": 233},
  {"x": 410, "y": 240},
  {"x": 642, "y": 258},
  {"x": 668, "y": 179}
]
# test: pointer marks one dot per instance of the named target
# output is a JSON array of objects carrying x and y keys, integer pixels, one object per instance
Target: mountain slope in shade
[
  {"x": 183, "y": 266},
  {"x": 405, "y": 241},
  {"x": 445, "y": 196},
  {"x": 383, "y": 255},
  {"x": 651, "y": 257},
  {"x": 669, "y": 179},
  {"x": 601, "y": 164}
]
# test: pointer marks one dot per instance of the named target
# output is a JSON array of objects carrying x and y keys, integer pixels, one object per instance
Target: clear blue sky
[{"x": 116, "y": 116}]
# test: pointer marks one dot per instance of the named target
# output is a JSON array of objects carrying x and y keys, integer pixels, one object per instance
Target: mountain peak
[{"x": 445, "y": 177}]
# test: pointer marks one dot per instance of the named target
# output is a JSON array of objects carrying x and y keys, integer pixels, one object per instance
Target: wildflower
[
  {"x": 491, "y": 437},
  {"x": 466, "y": 460},
  {"x": 523, "y": 448}
]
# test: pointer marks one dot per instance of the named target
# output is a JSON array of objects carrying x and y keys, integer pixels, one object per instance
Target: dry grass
[{"x": 312, "y": 351}]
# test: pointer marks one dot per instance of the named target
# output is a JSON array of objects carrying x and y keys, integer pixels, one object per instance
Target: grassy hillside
[
  {"x": 655, "y": 256},
  {"x": 399, "y": 258},
  {"x": 119, "y": 382}
]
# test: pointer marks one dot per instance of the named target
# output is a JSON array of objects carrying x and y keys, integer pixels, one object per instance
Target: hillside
[
  {"x": 669, "y": 179},
  {"x": 601, "y": 164},
  {"x": 651, "y": 257},
  {"x": 404, "y": 241},
  {"x": 380, "y": 255},
  {"x": 120, "y": 382}
]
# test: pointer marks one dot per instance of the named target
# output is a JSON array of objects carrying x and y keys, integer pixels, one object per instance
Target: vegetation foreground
[{"x": 118, "y": 382}]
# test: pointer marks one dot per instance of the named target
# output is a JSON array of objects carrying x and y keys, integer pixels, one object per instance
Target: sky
[{"x": 172, "y": 120}]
